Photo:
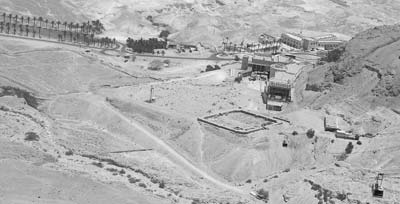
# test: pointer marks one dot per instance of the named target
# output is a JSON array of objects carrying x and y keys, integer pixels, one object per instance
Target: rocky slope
[
  {"x": 368, "y": 69},
  {"x": 209, "y": 21}
]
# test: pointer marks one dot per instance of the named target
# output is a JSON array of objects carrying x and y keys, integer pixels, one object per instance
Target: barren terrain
[{"x": 209, "y": 21}]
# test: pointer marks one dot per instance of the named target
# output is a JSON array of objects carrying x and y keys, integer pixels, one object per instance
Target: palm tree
[
  {"x": 27, "y": 29},
  {"x": 16, "y": 19},
  {"x": 34, "y": 32},
  {"x": 4, "y": 17},
  {"x": 14, "y": 28},
  {"x": 40, "y": 21},
  {"x": 65, "y": 25},
  {"x": 20, "y": 29},
  {"x": 46, "y": 22},
  {"x": 58, "y": 25},
  {"x": 52, "y": 24},
  {"x": 22, "y": 19},
  {"x": 8, "y": 27},
  {"x": 1, "y": 26},
  {"x": 10, "y": 16},
  {"x": 34, "y": 22},
  {"x": 29, "y": 19}
]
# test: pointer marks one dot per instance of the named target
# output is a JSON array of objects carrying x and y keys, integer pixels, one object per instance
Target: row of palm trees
[
  {"x": 75, "y": 32},
  {"x": 269, "y": 46}
]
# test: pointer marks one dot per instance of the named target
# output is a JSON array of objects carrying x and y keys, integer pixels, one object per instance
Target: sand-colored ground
[{"x": 92, "y": 105}]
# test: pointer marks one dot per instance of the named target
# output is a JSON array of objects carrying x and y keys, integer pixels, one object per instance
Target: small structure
[
  {"x": 274, "y": 105},
  {"x": 299, "y": 41},
  {"x": 331, "y": 124},
  {"x": 279, "y": 91},
  {"x": 377, "y": 189},
  {"x": 345, "y": 135},
  {"x": 152, "y": 99},
  {"x": 239, "y": 121}
]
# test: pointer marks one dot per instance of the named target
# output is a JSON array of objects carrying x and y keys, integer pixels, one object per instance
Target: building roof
[
  {"x": 324, "y": 37},
  {"x": 275, "y": 103},
  {"x": 294, "y": 36},
  {"x": 262, "y": 62},
  {"x": 330, "y": 41}
]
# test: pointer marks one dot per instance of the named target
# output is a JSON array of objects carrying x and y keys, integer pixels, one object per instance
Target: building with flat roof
[
  {"x": 327, "y": 42},
  {"x": 292, "y": 40},
  {"x": 282, "y": 77}
]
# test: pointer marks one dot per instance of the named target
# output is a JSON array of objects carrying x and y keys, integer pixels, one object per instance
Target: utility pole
[{"x": 151, "y": 94}]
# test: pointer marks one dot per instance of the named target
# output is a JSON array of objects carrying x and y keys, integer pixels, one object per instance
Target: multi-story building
[
  {"x": 327, "y": 42},
  {"x": 292, "y": 40}
]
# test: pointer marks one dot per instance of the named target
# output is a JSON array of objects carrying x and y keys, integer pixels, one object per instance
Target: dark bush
[
  {"x": 359, "y": 142},
  {"x": 349, "y": 148},
  {"x": 248, "y": 181},
  {"x": 263, "y": 194},
  {"x": 238, "y": 79},
  {"x": 69, "y": 153},
  {"x": 164, "y": 34},
  {"x": 295, "y": 133},
  {"x": 209, "y": 68},
  {"x": 122, "y": 171},
  {"x": 98, "y": 164},
  {"x": 112, "y": 169},
  {"x": 162, "y": 184},
  {"x": 237, "y": 58},
  {"x": 156, "y": 65},
  {"x": 31, "y": 136},
  {"x": 310, "y": 133},
  {"x": 133, "y": 180},
  {"x": 313, "y": 87},
  {"x": 142, "y": 185}
]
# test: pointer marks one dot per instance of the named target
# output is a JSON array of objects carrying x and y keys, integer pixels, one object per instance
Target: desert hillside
[
  {"x": 239, "y": 20},
  {"x": 368, "y": 70}
]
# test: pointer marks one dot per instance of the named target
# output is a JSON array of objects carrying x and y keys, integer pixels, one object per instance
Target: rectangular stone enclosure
[{"x": 239, "y": 121}]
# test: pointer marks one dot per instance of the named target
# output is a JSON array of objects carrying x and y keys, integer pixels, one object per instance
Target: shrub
[
  {"x": 162, "y": 184},
  {"x": 349, "y": 148},
  {"x": 167, "y": 61},
  {"x": 122, "y": 171},
  {"x": 313, "y": 87},
  {"x": 133, "y": 180},
  {"x": 209, "y": 68},
  {"x": 31, "y": 136},
  {"x": 238, "y": 79},
  {"x": 264, "y": 194},
  {"x": 237, "y": 58},
  {"x": 112, "y": 169},
  {"x": 359, "y": 142},
  {"x": 142, "y": 185},
  {"x": 164, "y": 34},
  {"x": 156, "y": 65},
  {"x": 248, "y": 181},
  {"x": 310, "y": 133},
  {"x": 295, "y": 133},
  {"x": 69, "y": 153},
  {"x": 98, "y": 164}
]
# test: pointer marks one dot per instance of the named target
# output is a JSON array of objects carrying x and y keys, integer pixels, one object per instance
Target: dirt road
[{"x": 172, "y": 152}]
